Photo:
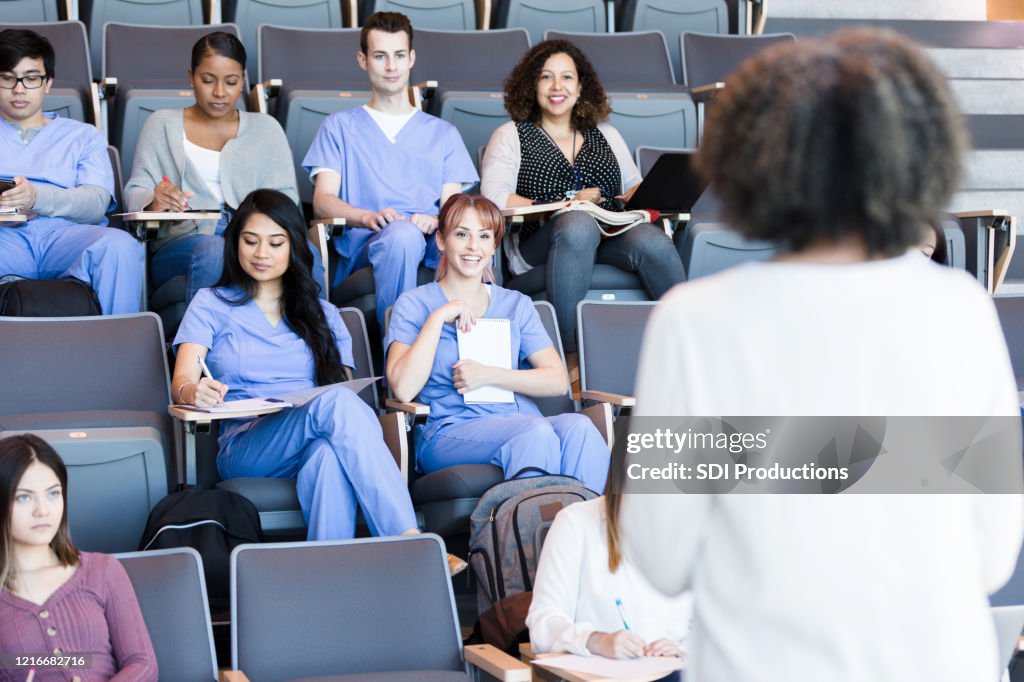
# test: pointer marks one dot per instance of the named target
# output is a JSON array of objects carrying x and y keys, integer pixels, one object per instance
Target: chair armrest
[
  {"x": 145, "y": 225},
  {"x": 261, "y": 92},
  {"x": 988, "y": 213},
  {"x": 601, "y": 415},
  {"x": 320, "y": 232},
  {"x": 13, "y": 218},
  {"x": 415, "y": 409},
  {"x": 670, "y": 221},
  {"x": 212, "y": 10},
  {"x": 497, "y": 663},
  {"x": 483, "y": 14},
  {"x": 616, "y": 399},
  {"x": 108, "y": 87},
  {"x": 94, "y": 104},
  {"x": 706, "y": 93},
  {"x": 349, "y": 13},
  {"x": 421, "y": 91},
  {"x": 396, "y": 438},
  {"x": 233, "y": 676}
]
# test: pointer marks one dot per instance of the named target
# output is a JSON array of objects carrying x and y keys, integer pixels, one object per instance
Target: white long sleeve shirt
[
  {"x": 844, "y": 588},
  {"x": 574, "y": 593}
]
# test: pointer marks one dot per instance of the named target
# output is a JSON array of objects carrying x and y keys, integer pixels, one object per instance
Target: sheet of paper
[
  {"x": 489, "y": 342},
  {"x": 300, "y": 398},
  {"x": 241, "y": 405},
  {"x": 635, "y": 669}
]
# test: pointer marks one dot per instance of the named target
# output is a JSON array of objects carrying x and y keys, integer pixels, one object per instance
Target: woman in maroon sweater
[{"x": 54, "y": 600}]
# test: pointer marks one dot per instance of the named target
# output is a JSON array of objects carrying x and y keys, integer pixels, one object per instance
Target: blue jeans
[
  {"x": 569, "y": 246},
  {"x": 201, "y": 258}
]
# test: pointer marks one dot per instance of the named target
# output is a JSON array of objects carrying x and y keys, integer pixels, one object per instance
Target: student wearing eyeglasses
[{"x": 63, "y": 182}]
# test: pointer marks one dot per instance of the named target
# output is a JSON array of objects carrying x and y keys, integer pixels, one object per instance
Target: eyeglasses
[{"x": 30, "y": 82}]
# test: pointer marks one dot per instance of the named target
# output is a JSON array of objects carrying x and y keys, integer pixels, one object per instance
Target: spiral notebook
[{"x": 489, "y": 342}]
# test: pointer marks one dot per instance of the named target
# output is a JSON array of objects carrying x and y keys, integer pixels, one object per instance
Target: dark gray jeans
[{"x": 568, "y": 247}]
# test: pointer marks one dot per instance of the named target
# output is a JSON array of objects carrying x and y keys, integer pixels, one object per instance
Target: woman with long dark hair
[
  {"x": 55, "y": 599},
  {"x": 263, "y": 331}
]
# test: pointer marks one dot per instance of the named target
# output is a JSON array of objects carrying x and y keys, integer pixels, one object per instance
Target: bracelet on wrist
[{"x": 181, "y": 389}]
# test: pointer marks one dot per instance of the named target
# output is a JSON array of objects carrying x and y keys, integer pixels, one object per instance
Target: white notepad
[{"x": 489, "y": 342}]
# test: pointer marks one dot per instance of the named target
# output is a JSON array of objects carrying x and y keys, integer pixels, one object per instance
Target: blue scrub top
[
  {"x": 255, "y": 359},
  {"x": 64, "y": 154},
  {"x": 406, "y": 174},
  {"x": 410, "y": 313}
]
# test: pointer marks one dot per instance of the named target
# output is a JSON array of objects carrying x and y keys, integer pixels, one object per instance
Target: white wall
[{"x": 880, "y": 9}]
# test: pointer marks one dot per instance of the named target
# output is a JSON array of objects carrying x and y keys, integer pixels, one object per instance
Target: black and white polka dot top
[{"x": 546, "y": 175}]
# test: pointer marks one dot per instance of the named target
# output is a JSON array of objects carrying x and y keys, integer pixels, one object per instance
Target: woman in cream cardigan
[{"x": 207, "y": 156}]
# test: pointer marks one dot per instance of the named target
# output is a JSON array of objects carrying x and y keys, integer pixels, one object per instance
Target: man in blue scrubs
[
  {"x": 386, "y": 168},
  {"x": 63, "y": 182}
]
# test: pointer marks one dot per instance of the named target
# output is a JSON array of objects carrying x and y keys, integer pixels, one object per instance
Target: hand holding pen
[
  {"x": 167, "y": 197},
  {"x": 209, "y": 392}
]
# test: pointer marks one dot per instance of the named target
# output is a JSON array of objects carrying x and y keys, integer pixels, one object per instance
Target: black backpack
[
  {"x": 212, "y": 522},
  {"x": 47, "y": 298},
  {"x": 506, "y": 532}
]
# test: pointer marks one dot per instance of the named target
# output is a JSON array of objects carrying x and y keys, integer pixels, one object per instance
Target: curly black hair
[
  {"x": 853, "y": 134},
  {"x": 521, "y": 86}
]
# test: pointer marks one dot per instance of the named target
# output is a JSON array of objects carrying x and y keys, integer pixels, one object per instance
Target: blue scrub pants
[
  {"x": 334, "y": 446},
  {"x": 107, "y": 259},
  {"x": 395, "y": 254},
  {"x": 564, "y": 444},
  {"x": 201, "y": 258}
]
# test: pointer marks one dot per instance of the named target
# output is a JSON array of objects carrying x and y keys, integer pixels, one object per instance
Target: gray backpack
[{"x": 506, "y": 533}]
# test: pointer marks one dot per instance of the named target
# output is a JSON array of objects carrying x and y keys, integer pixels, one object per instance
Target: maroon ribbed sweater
[{"x": 94, "y": 612}]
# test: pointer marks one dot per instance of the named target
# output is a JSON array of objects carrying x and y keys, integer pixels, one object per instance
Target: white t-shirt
[
  {"x": 848, "y": 587},
  {"x": 574, "y": 593},
  {"x": 390, "y": 124},
  {"x": 207, "y": 163}
]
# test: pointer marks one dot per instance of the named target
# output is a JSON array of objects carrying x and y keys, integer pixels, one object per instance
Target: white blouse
[{"x": 574, "y": 593}]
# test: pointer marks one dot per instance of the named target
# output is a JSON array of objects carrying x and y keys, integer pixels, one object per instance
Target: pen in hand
[
  {"x": 185, "y": 205},
  {"x": 622, "y": 614},
  {"x": 205, "y": 371}
]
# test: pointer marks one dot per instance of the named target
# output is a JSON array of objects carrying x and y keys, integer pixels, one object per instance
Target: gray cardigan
[{"x": 258, "y": 158}]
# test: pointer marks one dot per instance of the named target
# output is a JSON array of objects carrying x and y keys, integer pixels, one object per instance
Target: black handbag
[{"x": 47, "y": 298}]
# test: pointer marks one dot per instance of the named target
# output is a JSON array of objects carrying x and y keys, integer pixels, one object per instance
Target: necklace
[{"x": 577, "y": 177}]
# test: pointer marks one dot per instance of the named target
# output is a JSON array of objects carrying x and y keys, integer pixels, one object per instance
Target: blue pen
[{"x": 622, "y": 614}]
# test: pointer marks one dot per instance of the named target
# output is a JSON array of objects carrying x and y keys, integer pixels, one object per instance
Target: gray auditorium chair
[
  {"x": 476, "y": 115},
  {"x": 151, "y": 65},
  {"x": 275, "y": 498},
  {"x": 171, "y": 590},
  {"x": 33, "y": 11},
  {"x": 610, "y": 334},
  {"x": 630, "y": 62},
  {"x": 97, "y": 13},
  {"x": 673, "y": 17},
  {"x": 538, "y": 16},
  {"x": 97, "y": 388},
  {"x": 710, "y": 247},
  {"x": 73, "y": 93},
  {"x": 446, "y": 15},
  {"x": 1011, "y": 318},
  {"x": 249, "y": 15},
  {"x": 446, "y": 498},
  {"x": 710, "y": 58},
  {"x": 654, "y": 119},
  {"x": 1009, "y": 621},
  {"x": 306, "y": 75},
  {"x": 357, "y": 610},
  {"x": 471, "y": 100},
  {"x": 646, "y": 157}
]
